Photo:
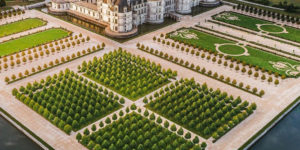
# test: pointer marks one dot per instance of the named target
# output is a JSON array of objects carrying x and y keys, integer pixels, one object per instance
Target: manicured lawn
[
  {"x": 271, "y": 28},
  {"x": 32, "y": 40},
  {"x": 231, "y": 49},
  {"x": 256, "y": 57},
  {"x": 19, "y": 26},
  {"x": 250, "y": 23},
  {"x": 129, "y": 75}
]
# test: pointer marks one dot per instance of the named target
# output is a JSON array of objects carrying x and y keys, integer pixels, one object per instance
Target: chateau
[{"x": 123, "y": 16}]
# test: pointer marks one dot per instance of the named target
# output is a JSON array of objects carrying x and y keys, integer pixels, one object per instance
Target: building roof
[{"x": 86, "y": 5}]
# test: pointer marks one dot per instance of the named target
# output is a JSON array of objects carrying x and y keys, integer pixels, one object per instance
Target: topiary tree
[{"x": 78, "y": 137}]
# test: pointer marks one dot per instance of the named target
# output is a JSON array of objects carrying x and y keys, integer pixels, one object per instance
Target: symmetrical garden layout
[
  {"x": 246, "y": 54},
  {"x": 127, "y": 74},
  {"x": 32, "y": 40},
  {"x": 133, "y": 131},
  {"x": 255, "y": 24},
  {"x": 200, "y": 109},
  {"x": 21, "y": 25},
  {"x": 68, "y": 100}
]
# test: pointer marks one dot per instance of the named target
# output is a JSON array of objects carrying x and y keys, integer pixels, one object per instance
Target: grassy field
[
  {"x": 256, "y": 57},
  {"x": 250, "y": 23},
  {"x": 32, "y": 40},
  {"x": 19, "y": 26},
  {"x": 231, "y": 49}
]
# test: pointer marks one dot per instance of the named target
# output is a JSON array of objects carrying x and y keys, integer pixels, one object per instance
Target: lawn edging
[
  {"x": 270, "y": 125},
  {"x": 16, "y": 122}
]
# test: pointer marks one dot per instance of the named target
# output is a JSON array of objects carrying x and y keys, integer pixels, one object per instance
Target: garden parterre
[
  {"x": 200, "y": 109},
  {"x": 133, "y": 131},
  {"x": 254, "y": 57},
  {"x": 127, "y": 74},
  {"x": 21, "y": 25},
  {"x": 32, "y": 40},
  {"x": 293, "y": 34},
  {"x": 68, "y": 100}
]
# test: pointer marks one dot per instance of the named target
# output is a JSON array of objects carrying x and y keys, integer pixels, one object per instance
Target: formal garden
[
  {"x": 67, "y": 100},
  {"x": 259, "y": 25},
  {"x": 246, "y": 54},
  {"x": 20, "y": 26},
  {"x": 200, "y": 109},
  {"x": 133, "y": 131},
  {"x": 32, "y": 40},
  {"x": 127, "y": 74}
]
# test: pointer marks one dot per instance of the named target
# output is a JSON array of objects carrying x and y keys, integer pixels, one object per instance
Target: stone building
[{"x": 122, "y": 17}]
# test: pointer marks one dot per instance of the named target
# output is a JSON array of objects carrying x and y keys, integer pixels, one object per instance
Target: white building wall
[
  {"x": 155, "y": 11},
  {"x": 183, "y": 6}
]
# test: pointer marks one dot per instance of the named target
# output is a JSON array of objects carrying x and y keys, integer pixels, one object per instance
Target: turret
[{"x": 183, "y": 6}]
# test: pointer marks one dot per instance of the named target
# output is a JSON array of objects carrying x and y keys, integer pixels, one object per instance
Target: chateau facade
[{"x": 123, "y": 16}]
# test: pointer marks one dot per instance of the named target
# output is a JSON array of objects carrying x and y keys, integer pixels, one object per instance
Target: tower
[{"x": 183, "y": 6}]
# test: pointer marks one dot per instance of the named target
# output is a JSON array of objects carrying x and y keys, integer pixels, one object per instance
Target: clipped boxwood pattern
[
  {"x": 127, "y": 74},
  {"x": 67, "y": 100},
  {"x": 200, "y": 109},
  {"x": 135, "y": 132}
]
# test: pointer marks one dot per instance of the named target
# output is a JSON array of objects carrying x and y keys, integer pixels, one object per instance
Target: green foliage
[
  {"x": 135, "y": 132},
  {"x": 66, "y": 101},
  {"x": 198, "y": 109},
  {"x": 126, "y": 74}
]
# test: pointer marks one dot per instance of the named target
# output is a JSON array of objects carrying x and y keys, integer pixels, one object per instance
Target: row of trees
[
  {"x": 264, "y": 12},
  {"x": 200, "y": 109},
  {"x": 209, "y": 73},
  {"x": 129, "y": 75},
  {"x": 135, "y": 132},
  {"x": 218, "y": 58},
  {"x": 17, "y": 60},
  {"x": 10, "y": 13},
  {"x": 67, "y": 100},
  {"x": 45, "y": 48},
  {"x": 46, "y": 65}
]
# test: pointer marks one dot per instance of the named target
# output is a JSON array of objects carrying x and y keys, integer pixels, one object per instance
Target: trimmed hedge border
[
  {"x": 255, "y": 43},
  {"x": 9, "y": 82},
  {"x": 270, "y": 125},
  {"x": 26, "y": 129},
  {"x": 69, "y": 34},
  {"x": 203, "y": 73},
  {"x": 45, "y": 23}
]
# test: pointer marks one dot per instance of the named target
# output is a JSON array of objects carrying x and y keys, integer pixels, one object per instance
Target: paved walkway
[{"x": 275, "y": 100}]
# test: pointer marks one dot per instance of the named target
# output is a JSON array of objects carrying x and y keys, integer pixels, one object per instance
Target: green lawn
[
  {"x": 32, "y": 40},
  {"x": 19, "y": 26},
  {"x": 250, "y": 23},
  {"x": 231, "y": 49},
  {"x": 271, "y": 28},
  {"x": 256, "y": 57}
]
